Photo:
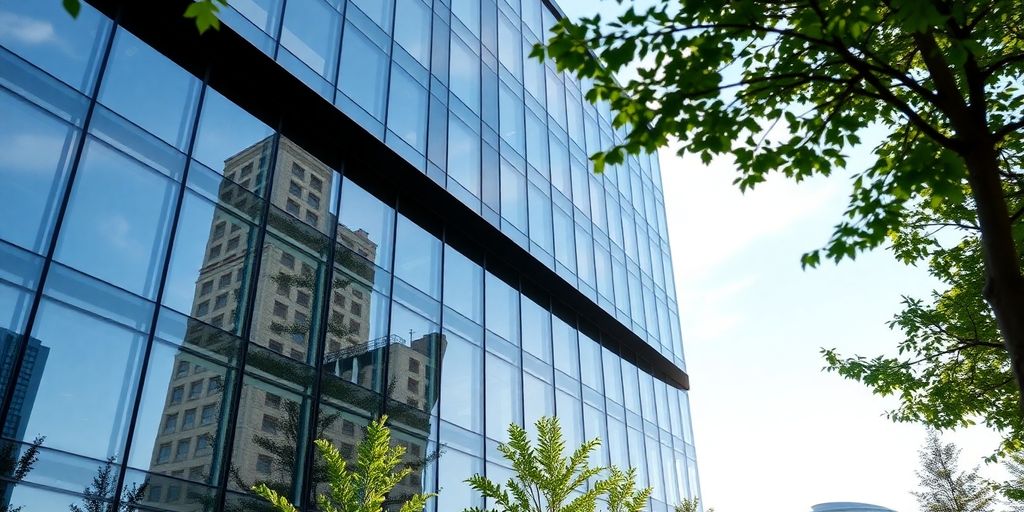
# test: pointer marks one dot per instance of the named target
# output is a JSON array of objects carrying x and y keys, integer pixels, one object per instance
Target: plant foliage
[
  {"x": 364, "y": 488},
  {"x": 548, "y": 480}
]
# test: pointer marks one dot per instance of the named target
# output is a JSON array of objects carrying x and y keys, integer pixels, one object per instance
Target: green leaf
[{"x": 73, "y": 7}]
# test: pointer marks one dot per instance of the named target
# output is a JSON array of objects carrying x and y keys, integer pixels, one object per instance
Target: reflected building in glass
[{"x": 356, "y": 208}]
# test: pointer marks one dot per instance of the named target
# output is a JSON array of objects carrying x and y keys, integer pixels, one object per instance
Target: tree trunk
[{"x": 1004, "y": 287}]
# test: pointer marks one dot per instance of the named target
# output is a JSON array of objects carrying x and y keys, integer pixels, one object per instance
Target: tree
[
  {"x": 790, "y": 86},
  {"x": 364, "y": 489},
  {"x": 952, "y": 368},
  {"x": 17, "y": 467},
  {"x": 100, "y": 495},
  {"x": 947, "y": 489},
  {"x": 1013, "y": 489},
  {"x": 690, "y": 505},
  {"x": 546, "y": 478}
]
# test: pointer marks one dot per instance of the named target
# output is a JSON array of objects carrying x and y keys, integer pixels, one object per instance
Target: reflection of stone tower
[{"x": 285, "y": 312}]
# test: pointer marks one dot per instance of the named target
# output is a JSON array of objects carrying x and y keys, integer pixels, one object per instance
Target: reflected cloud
[
  {"x": 30, "y": 152},
  {"x": 26, "y": 30}
]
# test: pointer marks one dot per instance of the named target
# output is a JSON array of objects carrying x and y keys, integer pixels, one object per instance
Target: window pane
[
  {"x": 463, "y": 155},
  {"x": 513, "y": 196},
  {"x": 212, "y": 258},
  {"x": 149, "y": 90},
  {"x": 537, "y": 143},
  {"x": 567, "y": 357},
  {"x": 511, "y": 119},
  {"x": 565, "y": 244},
  {"x": 117, "y": 220},
  {"x": 303, "y": 192},
  {"x": 311, "y": 31},
  {"x": 44, "y": 34},
  {"x": 630, "y": 387},
  {"x": 358, "y": 316},
  {"x": 510, "y": 48},
  {"x": 469, "y": 12},
  {"x": 612, "y": 376},
  {"x": 461, "y": 371},
  {"x": 262, "y": 13},
  {"x": 89, "y": 366},
  {"x": 35, "y": 152},
  {"x": 370, "y": 220},
  {"x": 456, "y": 494},
  {"x": 412, "y": 29},
  {"x": 465, "y": 73},
  {"x": 198, "y": 417},
  {"x": 560, "y": 167},
  {"x": 502, "y": 309},
  {"x": 418, "y": 257},
  {"x": 377, "y": 10},
  {"x": 463, "y": 285},
  {"x": 536, "y": 329},
  {"x": 284, "y": 317},
  {"x": 233, "y": 142},
  {"x": 590, "y": 363},
  {"x": 363, "y": 71},
  {"x": 503, "y": 398},
  {"x": 272, "y": 422},
  {"x": 541, "y": 402},
  {"x": 407, "y": 114},
  {"x": 540, "y": 218}
]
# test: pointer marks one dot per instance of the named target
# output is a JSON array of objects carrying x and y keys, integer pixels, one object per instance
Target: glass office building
[{"x": 217, "y": 249}]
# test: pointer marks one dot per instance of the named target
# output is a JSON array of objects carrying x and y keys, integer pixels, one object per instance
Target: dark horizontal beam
[{"x": 251, "y": 79}]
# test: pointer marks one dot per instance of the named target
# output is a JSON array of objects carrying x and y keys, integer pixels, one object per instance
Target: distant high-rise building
[{"x": 221, "y": 248}]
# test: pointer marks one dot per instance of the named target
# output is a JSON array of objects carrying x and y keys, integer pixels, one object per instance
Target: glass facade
[{"x": 189, "y": 297}]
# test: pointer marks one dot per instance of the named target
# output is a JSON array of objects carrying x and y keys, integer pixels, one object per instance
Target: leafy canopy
[
  {"x": 788, "y": 87},
  {"x": 545, "y": 478},
  {"x": 363, "y": 489},
  {"x": 951, "y": 368}
]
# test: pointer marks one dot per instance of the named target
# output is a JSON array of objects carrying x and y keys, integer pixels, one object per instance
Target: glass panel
[
  {"x": 463, "y": 285},
  {"x": 567, "y": 356},
  {"x": 311, "y": 31},
  {"x": 502, "y": 398},
  {"x": 82, "y": 356},
  {"x": 377, "y": 10},
  {"x": 510, "y": 118},
  {"x": 183, "y": 399},
  {"x": 541, "y": 402},
  {"x": 618, "y": 446},
  {"x": 502, "y": 308},
  {"x": 537, "y": 143},
  {"x": 117, "y": 220},
  {"x": 570, "y": 416},
  {"x": 412, "y": 29},
  {"x": 463, "y": 155},
  {"x": 271, "y": 433},
  {"x": 536, "y": 329},
  {"x": 418, "y": 257},
  {"x": 304, "y": 191},
  {"x": 565, "y": 244},
  {"x": 510, "y": 48},
  {"x": 540, "y": 218},
  {"x": 262, "y": 13},
  {"x": 630, "y": 387},
  {"x": 454, "y": 468},
  {"x": 286, "y": 313},
  {"x": 612, "y": 376},
  {"x": 590, "y": 363},
  {"x": 35, "y": 154},
  {"x": 407, "y": 113},
  {"x": 412, "y": 361},
  {"x": 513, "y": 197},
  {"x": 560, "y": 166},
  {"x": 149, "y": 90},
  {"x": 364, "y": 69},
  {"x": 366, "y": 225},
  {"x": 461, "y": 375},
  {"x": 43, "y": 33},
  {"x": 469, "y": 12},
  {"x": 465, "y": 73},
  {"x": 233, "y": 142}
]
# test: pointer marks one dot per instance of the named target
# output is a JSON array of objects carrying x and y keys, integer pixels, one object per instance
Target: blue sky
[{"x": 772, "y": 431}]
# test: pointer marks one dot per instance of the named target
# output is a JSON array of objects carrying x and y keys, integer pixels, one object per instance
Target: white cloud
[
  {"x": 710, "y": 220},
  {"x": 26, "y": 30},
  {"x": 30, "y": 152}
]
